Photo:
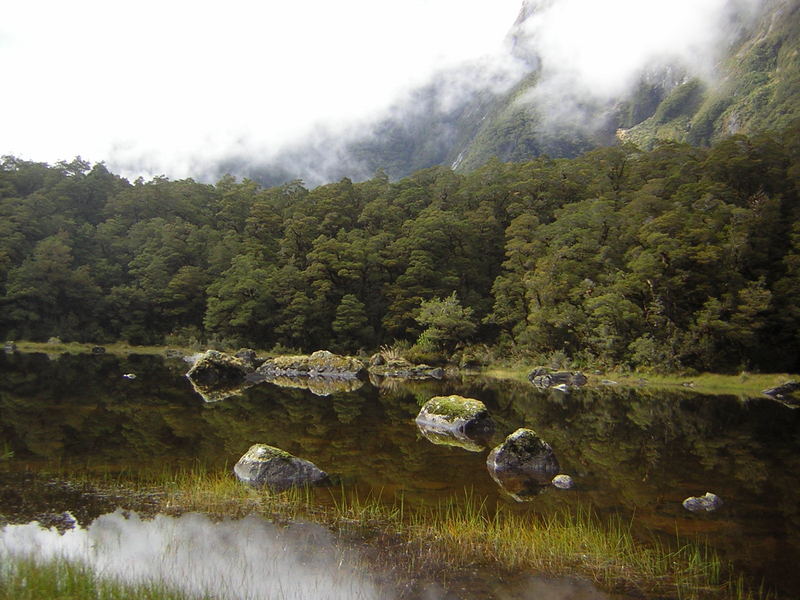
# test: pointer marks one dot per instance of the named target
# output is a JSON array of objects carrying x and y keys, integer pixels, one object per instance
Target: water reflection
[
  {"x": 243, "y": 559},
  {"x": 639, "y": 452}
]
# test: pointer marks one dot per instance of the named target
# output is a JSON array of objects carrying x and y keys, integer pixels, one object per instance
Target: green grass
[
  {"x": 742, "y": 384},
  {"x": 28, "y": 579},
  {"x": 463, "y": 534}
]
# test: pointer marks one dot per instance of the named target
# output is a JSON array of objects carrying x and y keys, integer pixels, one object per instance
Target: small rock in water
[
  {"x": 707, "y": 503},
  {"x": 129, "y": 375},
  {"x": 563, "y": 482}
]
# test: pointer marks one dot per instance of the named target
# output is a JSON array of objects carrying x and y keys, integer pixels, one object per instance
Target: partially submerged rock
[
  {"x": 217, "y": 368},
  {"x": 541, "y": 378},
  {"x": 402, "y": 369},
  {"x": 782, "y": 391},
  {"x": 319, "y": 364},
  {"x": 267, "y": 466},
  {"x": 563, "y": 482},
  {"x": 456, "y": 421},
  {"x": 216, "y": 375},
  {"x": 523, "y": 465},
  {"x": 9, "y": 347},
  {"x": 706, "y": 503}
]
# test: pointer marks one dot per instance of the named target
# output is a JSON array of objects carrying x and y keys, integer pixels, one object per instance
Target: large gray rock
[
  {"x": 523, "y": 465},
  {"x": 276, "y": 469},
  {"x": 456, "y": 421},
  {"x": 319, "y": 364}
]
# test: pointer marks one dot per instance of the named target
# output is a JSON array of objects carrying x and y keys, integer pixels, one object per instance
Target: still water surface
[{"x": 632, "y": 452}]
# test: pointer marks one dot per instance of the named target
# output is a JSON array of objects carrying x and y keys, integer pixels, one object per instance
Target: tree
[
  {"x": 350, "y": 324},
  {"x": 447, "y": 323}
]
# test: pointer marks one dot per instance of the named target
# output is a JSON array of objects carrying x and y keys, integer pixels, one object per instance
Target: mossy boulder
[
  {"x": 523, "y": 465},
  {"x": 217, "y": 368},
  {"x": 319, "y": 364},
  {"x": 456, "y": 421},
  {"x": 216, "y": 375},
  {"x": 267, "y": 466}
]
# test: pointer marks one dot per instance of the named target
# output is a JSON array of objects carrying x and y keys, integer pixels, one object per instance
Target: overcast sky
[
  {"x": 169, "y": 84},
  {"x": 172, "y": 86}
]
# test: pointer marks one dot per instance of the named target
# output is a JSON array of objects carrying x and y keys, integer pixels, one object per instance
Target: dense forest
[{"x": 676, "y": 257}]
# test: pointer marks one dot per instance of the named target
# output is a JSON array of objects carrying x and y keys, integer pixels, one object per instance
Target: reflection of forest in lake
[{"x": 635, "y": 451}]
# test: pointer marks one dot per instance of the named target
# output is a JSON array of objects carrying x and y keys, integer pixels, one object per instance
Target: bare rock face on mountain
[
  {"x": 267, "y": 466},
  {"x": 523, "y": 465}
]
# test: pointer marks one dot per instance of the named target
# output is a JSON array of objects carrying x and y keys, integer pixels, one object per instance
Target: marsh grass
[
  {"x": 29, "y": 579},
  {"x": 463, "y": 534}
]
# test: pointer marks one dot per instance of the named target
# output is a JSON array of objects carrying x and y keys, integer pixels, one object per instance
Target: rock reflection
[
  {"x": 452, "y": 437},
  {"x": 319, "y": 386},
  {"x": 248, "y": 558}
]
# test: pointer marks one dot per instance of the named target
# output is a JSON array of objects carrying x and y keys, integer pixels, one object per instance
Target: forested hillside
[{"x": 675, "y": 257}]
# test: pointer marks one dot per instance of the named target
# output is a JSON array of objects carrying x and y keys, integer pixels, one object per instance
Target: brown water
[{"x": 632, "y": 452}]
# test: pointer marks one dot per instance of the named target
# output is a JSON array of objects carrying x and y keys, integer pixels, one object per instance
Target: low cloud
[{"x": 592, "y": 53}]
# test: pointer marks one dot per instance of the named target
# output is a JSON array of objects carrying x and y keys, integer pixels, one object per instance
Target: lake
[{"x": 636, "y": 453}]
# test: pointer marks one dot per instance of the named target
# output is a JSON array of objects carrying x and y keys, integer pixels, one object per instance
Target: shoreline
[{"x": 741, "y": 384}]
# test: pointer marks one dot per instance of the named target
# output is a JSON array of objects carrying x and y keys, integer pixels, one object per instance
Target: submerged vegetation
[{"x": 448, "y": 538}]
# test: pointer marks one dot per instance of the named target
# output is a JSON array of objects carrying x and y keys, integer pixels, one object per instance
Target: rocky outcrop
[
  {"x": 216, "y": 375},
  {"x": 319, "y": 364},
  {"x": 523, "y": 465},
  {"x": 403, "y": 369},
  {"x": 706, "y": 503},
  {"x": 276, "y": 469},
  {"x": 542, "y": 378},
  {"x": 456, "y": 421}
]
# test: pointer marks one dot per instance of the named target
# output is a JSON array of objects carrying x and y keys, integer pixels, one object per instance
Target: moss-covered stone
[
  {"x": 523, "y": 465},
  {"x": 267, "y": 466},
  {"x": 456, "y": 421},
  {"x": 452, "y": 408}
]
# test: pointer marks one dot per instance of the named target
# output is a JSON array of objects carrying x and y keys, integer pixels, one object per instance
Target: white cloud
[
  {"x": 599, "y": 49},
  {"x": 170, "y": 85}
]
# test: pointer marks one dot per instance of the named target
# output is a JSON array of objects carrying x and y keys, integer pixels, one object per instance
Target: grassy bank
[
  {"x": 451, "y": 538},
  {"x": 747, "y": 384}
]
